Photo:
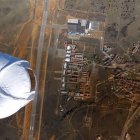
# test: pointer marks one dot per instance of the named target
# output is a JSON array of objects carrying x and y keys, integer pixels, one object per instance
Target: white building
[
  {"x": 17, "y": 84},
  {"x": 83, "y": 22},
  {"x": 73, "y": 21}
]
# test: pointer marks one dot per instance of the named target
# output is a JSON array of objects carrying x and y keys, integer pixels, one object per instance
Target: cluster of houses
[
  {"x": 126, "y": 87},
  {"x": 75, "y": 81}
]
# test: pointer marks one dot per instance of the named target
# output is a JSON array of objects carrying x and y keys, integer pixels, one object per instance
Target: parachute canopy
[{"x": 17, "y": 84}]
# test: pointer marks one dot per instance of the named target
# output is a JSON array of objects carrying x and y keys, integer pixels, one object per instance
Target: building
[
  {"x": 84, "y": 28},
  {"x": 77, "y": 26},
  {"x": 75, "y": 79},
  {"x": 126, "y": 88},
  {"x": 73, "y": 26},
  {"x": 17, "y": 85}
]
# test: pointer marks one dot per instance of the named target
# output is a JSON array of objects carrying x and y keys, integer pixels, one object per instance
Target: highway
[{"x": 38, "y": 66}]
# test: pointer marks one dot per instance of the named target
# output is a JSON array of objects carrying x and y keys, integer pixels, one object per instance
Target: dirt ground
[
  {"x": 123, "y": 28},
  {"x": 12, "y": 16}
]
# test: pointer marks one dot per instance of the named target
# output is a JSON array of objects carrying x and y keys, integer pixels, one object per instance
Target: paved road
[
  {"x": 57, "y": 26},
  {"x": 38, "y": 65},
  {"x": 51, "y": 97}
]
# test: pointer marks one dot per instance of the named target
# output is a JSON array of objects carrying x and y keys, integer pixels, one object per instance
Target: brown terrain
[{"x": 113, "y": 112}]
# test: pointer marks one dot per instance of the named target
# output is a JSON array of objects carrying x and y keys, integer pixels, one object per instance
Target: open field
[
  {"x": 12, "y": 14},
  {"x": 114, "y": 101}
]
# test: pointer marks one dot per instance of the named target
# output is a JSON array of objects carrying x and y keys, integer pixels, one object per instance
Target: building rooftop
[{"x": 74, "y": 21}]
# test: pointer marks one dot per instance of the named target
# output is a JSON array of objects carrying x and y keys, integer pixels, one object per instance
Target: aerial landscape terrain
[{"x": 86, "y": 57}]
